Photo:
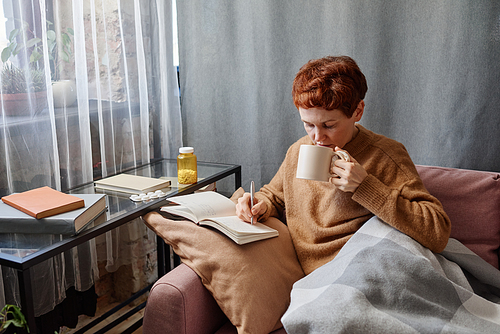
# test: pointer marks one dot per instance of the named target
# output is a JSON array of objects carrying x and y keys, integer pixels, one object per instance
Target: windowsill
[{"x": 118, "y": 109}]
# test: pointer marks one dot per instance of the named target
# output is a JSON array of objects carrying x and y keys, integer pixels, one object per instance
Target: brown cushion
[
  {"x": 472, "y": 201},
  {"x": 251, "y": 283}
]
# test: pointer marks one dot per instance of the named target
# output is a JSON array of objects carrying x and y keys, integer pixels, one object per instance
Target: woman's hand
[
  {"x": 245, "y": 213},
  {"x": 350, "y": 174}
]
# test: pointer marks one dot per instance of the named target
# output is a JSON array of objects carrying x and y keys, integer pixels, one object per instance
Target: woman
[{"x": 380, "y": 178}]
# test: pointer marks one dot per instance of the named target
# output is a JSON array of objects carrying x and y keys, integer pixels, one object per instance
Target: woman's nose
[{"x": 319, "y": 135}]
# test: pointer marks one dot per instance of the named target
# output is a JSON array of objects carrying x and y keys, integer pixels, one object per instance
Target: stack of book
[{"x": 48, "y": 211}]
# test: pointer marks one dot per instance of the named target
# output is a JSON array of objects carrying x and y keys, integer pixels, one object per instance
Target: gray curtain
[{"x": 433, "y": 71}]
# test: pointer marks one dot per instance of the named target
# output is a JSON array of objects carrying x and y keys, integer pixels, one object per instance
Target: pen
[{"x": 252, "y": 193}]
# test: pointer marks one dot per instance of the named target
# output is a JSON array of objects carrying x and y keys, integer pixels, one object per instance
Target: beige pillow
[{"x": 251, "y": 283}]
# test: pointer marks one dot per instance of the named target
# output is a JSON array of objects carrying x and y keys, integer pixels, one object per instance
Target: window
[{"x": 96, "y": 91}]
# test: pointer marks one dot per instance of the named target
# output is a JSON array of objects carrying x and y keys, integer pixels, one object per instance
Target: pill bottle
[{"x": 187, "y": 171}]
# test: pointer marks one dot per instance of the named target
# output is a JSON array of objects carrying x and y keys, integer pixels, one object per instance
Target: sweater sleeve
[{"x": 407, "y": 207}]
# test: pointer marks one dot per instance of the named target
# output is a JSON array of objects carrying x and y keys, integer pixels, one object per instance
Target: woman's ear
[{"x": 358, "y": 113}]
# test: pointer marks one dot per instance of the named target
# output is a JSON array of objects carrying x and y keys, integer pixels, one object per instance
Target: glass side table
[{"x": 38, "y": 248}]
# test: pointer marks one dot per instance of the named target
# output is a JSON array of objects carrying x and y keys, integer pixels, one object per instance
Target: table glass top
[{"x": 119, "y": 205}]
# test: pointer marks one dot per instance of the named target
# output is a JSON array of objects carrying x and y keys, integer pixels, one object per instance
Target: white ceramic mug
[{"x": 315, "y": 162}]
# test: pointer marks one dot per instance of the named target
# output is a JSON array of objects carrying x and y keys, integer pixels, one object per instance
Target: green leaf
[
  {"x": 51, "y": 35},
  {"x": 6, "y": 53},
  {"x": 52, "y": 46},
  {"x": 65, "y": 56},
  {"x": 33, "y": 42},
  {"x": 13, "y": 34},
  {"x": 14, "y": 322},
  {"x": 35, "y": 56},
  {"x": 71, "y": 31},
  {"x": 18, "y": 314},
  {"x": 16, "y": 49},
  {"x": 66, "y": 39}
]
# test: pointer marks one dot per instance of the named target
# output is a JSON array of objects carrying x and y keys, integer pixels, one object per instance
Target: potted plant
[
  {"x": 12, "y": 315},
  {"x": 23, "y": 90},
  {"x": 64, "y": 91}
]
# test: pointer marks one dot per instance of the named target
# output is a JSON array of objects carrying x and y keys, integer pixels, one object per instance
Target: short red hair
[{"x": 330, "y": 83}]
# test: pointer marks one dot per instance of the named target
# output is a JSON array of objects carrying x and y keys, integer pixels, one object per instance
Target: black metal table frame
[{"x": 23, "y": 265}]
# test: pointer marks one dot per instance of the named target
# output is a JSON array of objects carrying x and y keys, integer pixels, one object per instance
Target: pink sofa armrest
[
  {"x": 179, "y": 303},
  {"x": 471, "y": 199}
]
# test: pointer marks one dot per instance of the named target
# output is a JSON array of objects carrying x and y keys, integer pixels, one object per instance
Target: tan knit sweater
[{"x": 321, "y": 218}]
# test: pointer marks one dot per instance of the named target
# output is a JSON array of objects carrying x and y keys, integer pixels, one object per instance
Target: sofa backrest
[{"x": 472, "y": 201}]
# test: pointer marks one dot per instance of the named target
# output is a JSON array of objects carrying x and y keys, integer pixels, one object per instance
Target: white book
[
  {"x": 215, "y": 210},
  {"x": 131, "y": 184}
]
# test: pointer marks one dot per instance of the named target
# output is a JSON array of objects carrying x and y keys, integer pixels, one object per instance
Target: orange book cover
[{"x": 43, "y": 202}]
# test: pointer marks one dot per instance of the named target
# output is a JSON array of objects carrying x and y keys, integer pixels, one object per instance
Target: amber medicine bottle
[{"x": 187, "y": 171}]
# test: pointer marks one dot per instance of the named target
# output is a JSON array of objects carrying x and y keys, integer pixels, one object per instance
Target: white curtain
[{"x": 98, "y": 94}]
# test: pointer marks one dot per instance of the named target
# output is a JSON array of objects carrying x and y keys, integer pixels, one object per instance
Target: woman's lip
[{"x": 324, "y": 145}]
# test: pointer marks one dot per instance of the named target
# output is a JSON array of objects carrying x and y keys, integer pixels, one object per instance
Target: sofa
[{"x": 179, "y": 302}]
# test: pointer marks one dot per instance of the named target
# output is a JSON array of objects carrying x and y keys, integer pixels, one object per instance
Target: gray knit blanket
[{"x": 383, "y": 281}]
